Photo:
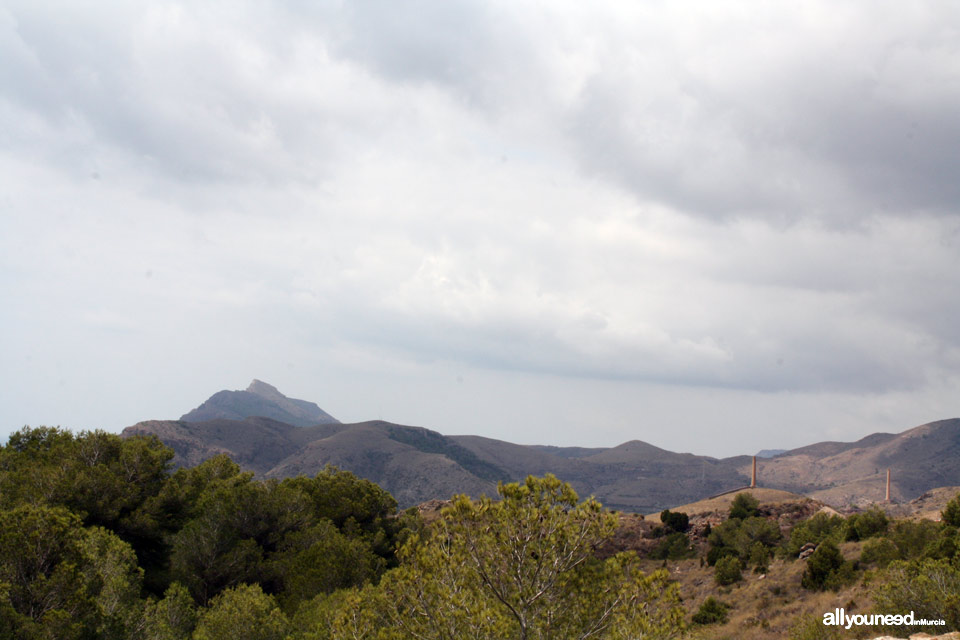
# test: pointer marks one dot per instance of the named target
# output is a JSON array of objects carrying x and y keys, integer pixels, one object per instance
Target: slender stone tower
[
  {"x": 753, "y": 476},
  {"x": 887, "y": 499}
]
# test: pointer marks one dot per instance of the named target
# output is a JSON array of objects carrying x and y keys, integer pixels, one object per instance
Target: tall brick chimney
[
  {"x": 887, "y": 499},
  {"x": 753, "y": 476}
]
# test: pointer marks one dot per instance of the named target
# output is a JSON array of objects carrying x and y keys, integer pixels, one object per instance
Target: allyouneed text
[{"x": 838, "y": 618}]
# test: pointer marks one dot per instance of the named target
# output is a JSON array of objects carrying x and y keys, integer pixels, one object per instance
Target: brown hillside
[{"x": 854, "y": 474}]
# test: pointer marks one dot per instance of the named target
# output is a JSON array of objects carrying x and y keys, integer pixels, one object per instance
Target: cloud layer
[{"x": 723, "y": 205}]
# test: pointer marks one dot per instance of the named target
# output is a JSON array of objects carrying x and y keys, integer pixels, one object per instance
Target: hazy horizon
[{"x": 717, "y": 227}]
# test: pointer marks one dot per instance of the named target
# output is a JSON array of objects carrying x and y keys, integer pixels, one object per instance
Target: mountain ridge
[
  {"x": 259, "y": 399},
  {"x": 416, "y": 464}
]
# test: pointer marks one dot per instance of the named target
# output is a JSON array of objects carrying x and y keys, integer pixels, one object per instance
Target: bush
[
  {"x": 727, "y": 571},
  {"x": 929, "y": 588},
  {"x": 826, "y": 569},
  {"x": 675, "y": 521},
  {"x": 879, "y": 551},
  {"x": 712, "y": 611},
  {"x": 740, "y": 537},
  {"x": 951, "y": 512},
  {"x": 759, "y": 557},
  {"x": 865, "y": 525},
  {"x": 913, "y": 538},
  {"x": 674, "y": 547},
  {"x": 817, "y": 529},
  {"x": 743, "y": 506}
]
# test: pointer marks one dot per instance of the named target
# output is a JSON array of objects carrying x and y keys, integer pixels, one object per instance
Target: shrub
[
  {"x": 865, "y": 525},
  {"x": 675, "y": 521},
  {"x": 826, "y": 569},
  {"x": 913, "y": 538},
  {"x": 675, "y": 546},
  {"x": 929, "y": 588},
  {"x": 879, "y": 551},
  {"x": 816, "y": 529},
  {"x": 743, "y": 506},
  {"x": 759, "y": 557},
  {"x": 951, "y": 512},
  {"x": 727, "y": 571},
  {"x": 712, "y": 611}
]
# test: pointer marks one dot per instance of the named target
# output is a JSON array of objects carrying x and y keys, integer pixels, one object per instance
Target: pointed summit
[
  {"x": 259, "y": 399},
  {"x": 264, "y": 390}
]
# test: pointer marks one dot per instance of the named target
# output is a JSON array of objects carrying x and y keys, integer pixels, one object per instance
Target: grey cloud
[{"x": 834, "y": 123}]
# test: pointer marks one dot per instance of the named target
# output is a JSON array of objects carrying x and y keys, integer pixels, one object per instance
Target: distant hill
[
  {"x": 770, "y": 453},
  {"x": 275, "y": 436},
  {"x": 854, "y": 473},
  {"x": 263, "y": 400}
]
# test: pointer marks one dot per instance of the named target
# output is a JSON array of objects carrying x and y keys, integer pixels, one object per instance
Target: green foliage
[
  {"x": 880, "y": 552},
  {"x": 210, "y": 528},
  {"x": 674, "y": 547},
  {"x": 759, "y": 557},
  {"x": 320, "y": 560},
  {"x": 870, "y": 523},
  {"x": 826, "y": 569},
  {"x": 357, "y": 507},
  {"x": 172, "y": 618},
  {"x": 114, "y": 579},
  {"x": 750, "y": 540},
  {"x": 521, "y": 567},
  {"x": 675, "y": 521},
  {"x": 743, "y": 506},
  {"x": 816, "y": 529},
  {"x": 951, "y": 512},
  {"x": 40, "y": 558},
  {"x": 914, "y": 537},
  {"x": 929, "y": 588},
  {"x": 727, "y": 571},
  {"x": 242, "y": 613},
  {"x": 711, "y": 611}
]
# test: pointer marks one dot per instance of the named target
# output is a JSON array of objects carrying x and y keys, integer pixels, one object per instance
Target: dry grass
[
  {"x": 764, "y": 606},
  {"x": 721, "y": 504}
]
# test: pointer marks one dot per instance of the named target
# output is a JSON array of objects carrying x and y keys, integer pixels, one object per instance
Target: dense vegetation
[{"x": 100, "y": 539}]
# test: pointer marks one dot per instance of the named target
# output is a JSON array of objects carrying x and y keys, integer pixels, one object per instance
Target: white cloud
[{"x": 734, "y": 203}]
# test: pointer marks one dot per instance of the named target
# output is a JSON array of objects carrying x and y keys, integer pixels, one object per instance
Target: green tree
[
  {"x": 727, "y": 570},
  {"x": 743, "y": 506},
  {"x": 113, "y": 578},
  {"x": 929, "y": 588},
  {"x": 172, "y": 618},
  {"x": 738, "y": 537},
  {"x": 674, "y": 547},
  {"x": 675, "y": 521},
  {"x": 242, "y": 613},
  {"x": 816, "y": 529},
  {"x": 826, "y": 568},
  {"x": 711, "y": 611},
  {"x": 522, "y": 567},
  {"x": 320, "y": 560},
  {"x": 915, "y": 537},
  {"x": 879, "y": 551},
  {"x": 865, "y": 525},
  {"x": 40, "y": 559},
  {"x": 951, "y": 512}
]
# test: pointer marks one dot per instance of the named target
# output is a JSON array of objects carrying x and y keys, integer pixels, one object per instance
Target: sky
[{"x": 713, "y": 226}]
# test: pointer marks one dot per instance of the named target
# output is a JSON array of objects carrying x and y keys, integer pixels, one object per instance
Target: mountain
[
  {"x": 854, "y": 473},
  {"x": 770, "y": 453},
  {"x": 259, "y": 399},
  {"x": 275, "y": 436},
  {"x": 412, "y": 463}
]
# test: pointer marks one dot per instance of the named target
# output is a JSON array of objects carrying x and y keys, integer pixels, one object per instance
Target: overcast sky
[{"x": 712, "y": 226}]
